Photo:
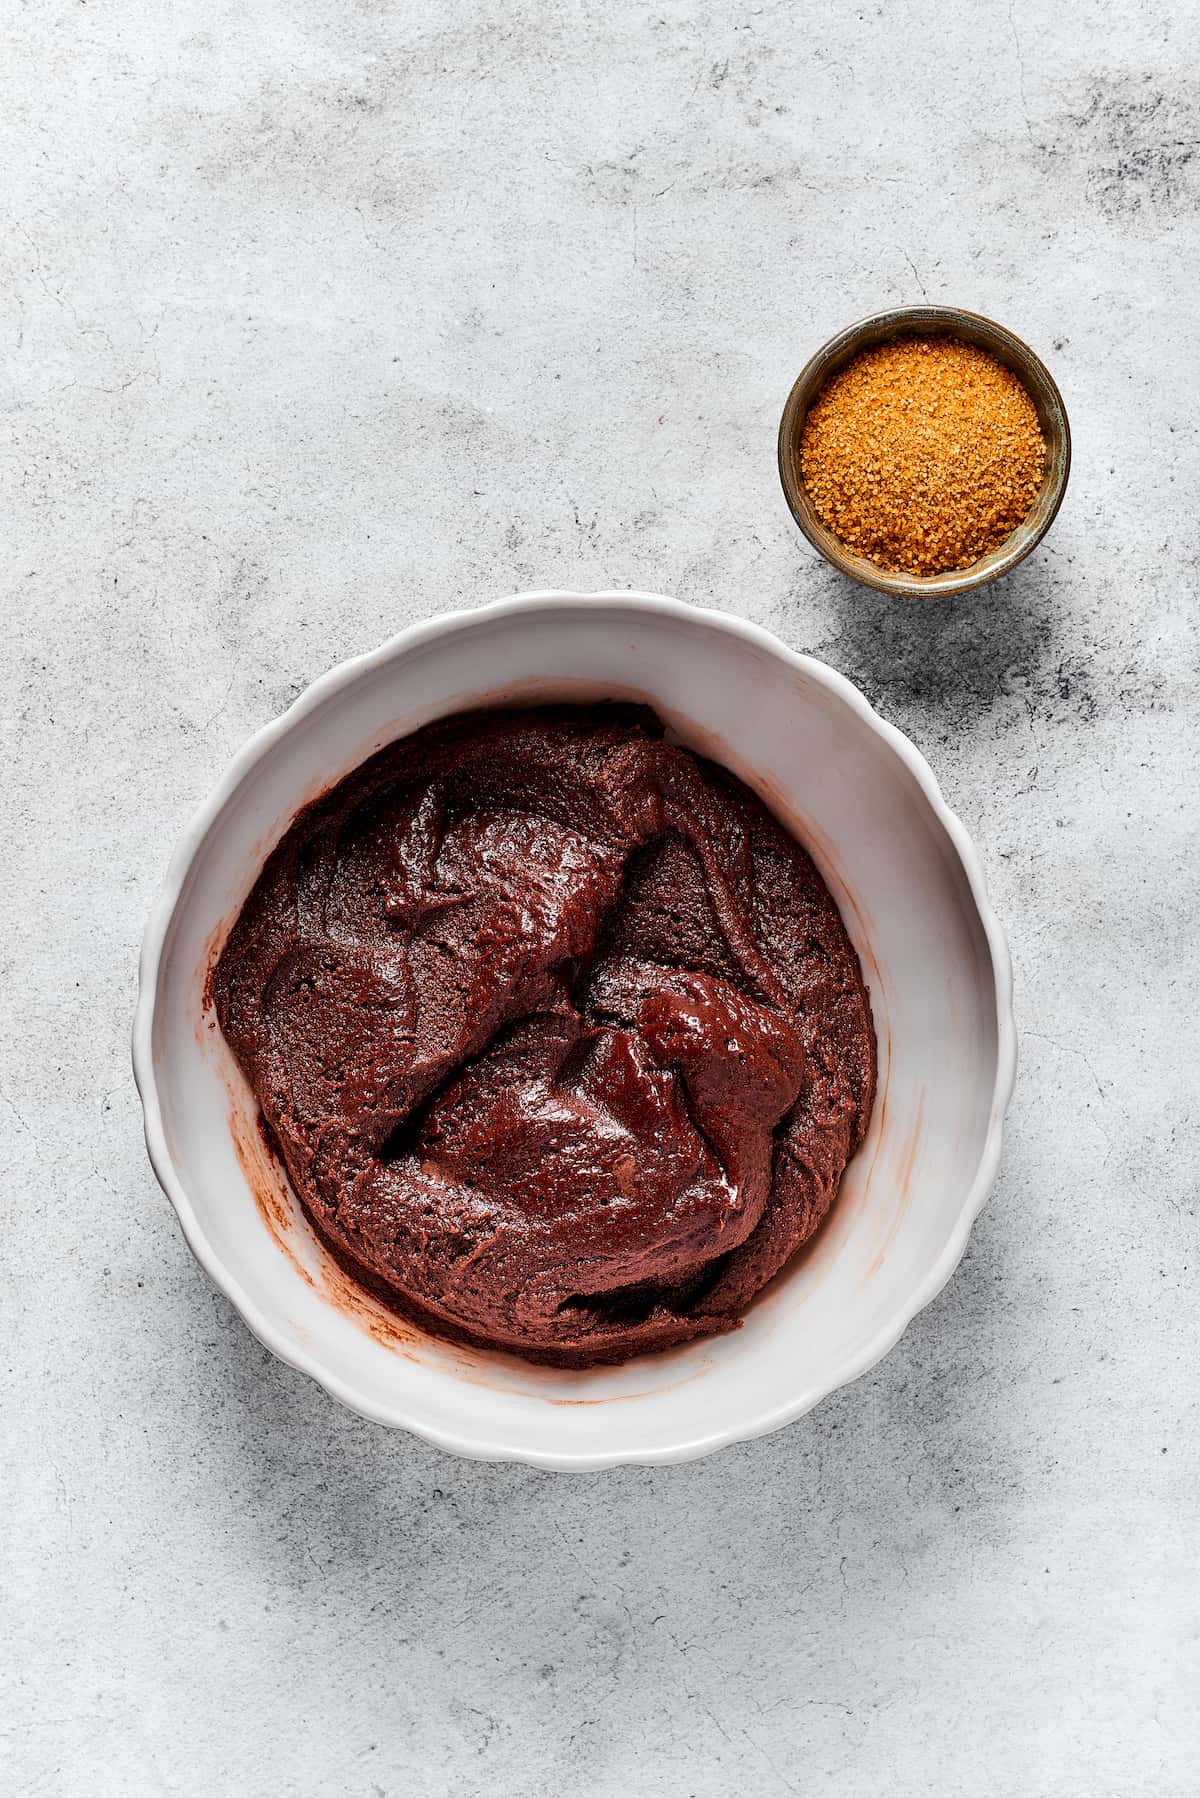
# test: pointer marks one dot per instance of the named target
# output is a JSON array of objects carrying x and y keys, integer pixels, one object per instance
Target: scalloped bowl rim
[{"x": 246, "y": 759}]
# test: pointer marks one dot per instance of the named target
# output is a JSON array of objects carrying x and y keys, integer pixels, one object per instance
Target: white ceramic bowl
[{"x": 910, "y": 889}]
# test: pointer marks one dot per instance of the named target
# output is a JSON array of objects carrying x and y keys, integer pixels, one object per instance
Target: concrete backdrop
[{"x": 318, "y": 318}]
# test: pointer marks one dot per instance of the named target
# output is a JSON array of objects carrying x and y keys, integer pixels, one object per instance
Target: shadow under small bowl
[{"x": 928, "y": 321}]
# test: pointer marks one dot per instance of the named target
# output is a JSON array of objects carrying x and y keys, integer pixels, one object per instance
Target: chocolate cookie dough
[{"x": 557, "y": 1030}]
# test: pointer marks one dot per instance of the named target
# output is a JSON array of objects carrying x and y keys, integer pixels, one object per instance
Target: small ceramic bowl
[
  {"x": 911, "y": 892},
  {"x": 928, "y": 321}
]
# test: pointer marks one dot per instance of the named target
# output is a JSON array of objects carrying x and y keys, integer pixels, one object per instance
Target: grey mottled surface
[{"x": 318, "y": 318}]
